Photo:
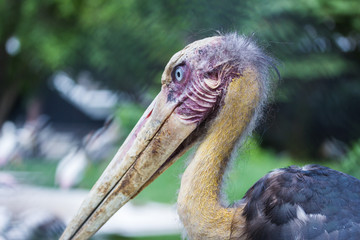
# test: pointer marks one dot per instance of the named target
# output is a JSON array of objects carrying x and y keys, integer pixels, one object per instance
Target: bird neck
[{"x": 199, "y": 202}]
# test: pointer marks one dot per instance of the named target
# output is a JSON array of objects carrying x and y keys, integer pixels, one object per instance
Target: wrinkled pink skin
[{"x": 198, "y": 98}]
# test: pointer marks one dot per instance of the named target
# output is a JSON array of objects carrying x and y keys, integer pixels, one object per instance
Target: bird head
[{"x": 197, "y": 83}]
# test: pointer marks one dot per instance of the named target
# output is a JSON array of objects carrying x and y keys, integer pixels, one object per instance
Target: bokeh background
[{"x": 76, "y": 75}]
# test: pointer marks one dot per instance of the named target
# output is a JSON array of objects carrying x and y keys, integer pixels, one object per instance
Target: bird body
[
  {"x": 212, "y": 93},
  {"x": 312, "y": 202}
]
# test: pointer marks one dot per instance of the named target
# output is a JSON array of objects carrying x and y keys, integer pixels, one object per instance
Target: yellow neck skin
[{"x": 199, "y": 204}]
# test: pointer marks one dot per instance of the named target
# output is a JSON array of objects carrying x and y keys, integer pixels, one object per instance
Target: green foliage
[
  {"x": 33, "y": 171},
  {"x": 351, "y": 163},
  {"x": 128, "y": 115},
  {"x": 125, "y": 45}
]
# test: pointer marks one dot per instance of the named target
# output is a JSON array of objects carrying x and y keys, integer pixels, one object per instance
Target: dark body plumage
[{"x": 312, "y": 202}]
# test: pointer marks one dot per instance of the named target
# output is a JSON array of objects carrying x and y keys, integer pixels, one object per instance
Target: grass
[{"x": 33, "y": 171}]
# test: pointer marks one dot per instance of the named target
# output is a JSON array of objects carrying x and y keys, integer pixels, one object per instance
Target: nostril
[{"x": 149, "y": 114}]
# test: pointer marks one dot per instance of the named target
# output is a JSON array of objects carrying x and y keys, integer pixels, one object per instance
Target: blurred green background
[{"x": 123, "y": 46}]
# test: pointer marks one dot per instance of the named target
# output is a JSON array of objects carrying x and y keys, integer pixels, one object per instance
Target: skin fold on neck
[{"x": 199, "y": 201}]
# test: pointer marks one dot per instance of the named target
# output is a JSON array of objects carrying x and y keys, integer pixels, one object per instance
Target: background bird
[
  {"x": 71, "y": 169},
  {"x": 8, "y": 143},
  {"x": 30, "y": 225},
  {"x": 27, "y": 220},
  {"x": 95, "y": 146},
  {"x": 213, "y": 92}
]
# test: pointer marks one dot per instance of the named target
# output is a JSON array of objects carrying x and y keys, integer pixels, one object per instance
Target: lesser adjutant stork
[{"x": 212, "y": 93}]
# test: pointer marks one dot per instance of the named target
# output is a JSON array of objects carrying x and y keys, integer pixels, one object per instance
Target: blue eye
[{"x": 179, "y": 73}]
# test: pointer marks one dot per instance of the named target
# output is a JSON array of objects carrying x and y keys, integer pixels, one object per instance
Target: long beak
[{"x": 154, "y": 143}]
